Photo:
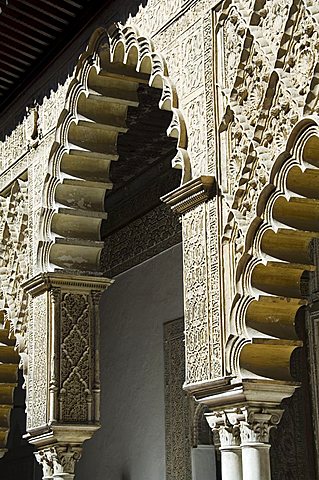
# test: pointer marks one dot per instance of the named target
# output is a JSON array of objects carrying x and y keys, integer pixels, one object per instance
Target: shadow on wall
[
  {"x": 62, "y": 65},
  {"x": 125, "y": 476}
]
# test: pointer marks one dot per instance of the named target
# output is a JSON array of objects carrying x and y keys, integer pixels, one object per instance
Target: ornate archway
[
  {"x": 57, "y": 334},
  {"x": 275, "y": 280}
]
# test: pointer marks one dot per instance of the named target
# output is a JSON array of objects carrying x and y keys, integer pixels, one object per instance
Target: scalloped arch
[
  {"x": 104, "y": 85},
  {"x": 274, "y": 272}
]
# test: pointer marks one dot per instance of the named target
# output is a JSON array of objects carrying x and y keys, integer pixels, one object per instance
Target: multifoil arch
[
  {"x": 274, "y": 272},
  {"x": 105, "y": 83}
]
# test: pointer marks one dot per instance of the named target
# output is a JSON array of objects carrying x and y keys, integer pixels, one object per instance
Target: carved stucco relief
[
  {"x": 262, "y": 89},
  {"x": 202, "y": 326},
  {"x": 177, "y": 404},
  {"x": 62, "y": 379},
  {"x": 265, "y": 84}
]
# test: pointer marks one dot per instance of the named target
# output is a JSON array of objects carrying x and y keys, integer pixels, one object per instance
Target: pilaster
[
  {"x": 63, "y": 389},
  {"x": 195, "y": 201}
]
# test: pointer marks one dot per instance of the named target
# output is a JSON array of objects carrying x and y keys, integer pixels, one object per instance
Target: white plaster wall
[{"x": 131, "y": 443}]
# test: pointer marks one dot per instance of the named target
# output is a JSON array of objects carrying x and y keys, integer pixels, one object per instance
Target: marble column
[
  {"x": 231, "y": 455},
  {"x": 254, "y": 431},
  {"x": 228, "y": 428}
]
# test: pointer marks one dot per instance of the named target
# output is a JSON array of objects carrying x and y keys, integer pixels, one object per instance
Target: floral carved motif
[
  {"x": 15, "y": 251},
  {"x": 196, "y": 302},
  {"x": 76, "y": 392},
  {"x": 267, "y": 83}
]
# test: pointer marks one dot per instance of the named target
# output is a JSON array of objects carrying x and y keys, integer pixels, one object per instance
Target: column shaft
[
  {"x": 231, "y": 463},
  {"x": 256, "y": 461}
]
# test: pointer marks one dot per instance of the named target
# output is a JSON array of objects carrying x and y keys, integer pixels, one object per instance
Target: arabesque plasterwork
[{"x": 239, "y": 78}]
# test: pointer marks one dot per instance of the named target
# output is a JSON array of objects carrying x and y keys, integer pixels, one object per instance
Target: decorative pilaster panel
[
  {"x": 203, "y": 338},
  {"x": 38, "y": 354},
  {"x": 63, "y": 383},
  {"x": 202, "y": 328},
  {"x": 195, "y": 295},
  {"x": 75, "y": 397}
]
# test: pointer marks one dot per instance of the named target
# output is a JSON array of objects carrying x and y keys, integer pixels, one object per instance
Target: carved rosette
[{"x": 63, "y": 390}]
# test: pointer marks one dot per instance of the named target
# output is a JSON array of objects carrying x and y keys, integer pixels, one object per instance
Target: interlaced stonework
[{"x": 240, "y": 82}]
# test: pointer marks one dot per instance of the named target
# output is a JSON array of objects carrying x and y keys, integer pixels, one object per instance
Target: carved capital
[
  {"x": 257, "y": 423},
  {"x": 44, "y": 458},
  {"x": 58, "y": 461},
  {"x": 65, "y": 458},
  {"x": 227, "y": 425}
]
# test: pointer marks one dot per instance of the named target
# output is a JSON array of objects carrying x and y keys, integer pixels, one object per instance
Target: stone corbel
[
  {"x": 63, "y": 380},
  {"x": 191, "y": 194}
]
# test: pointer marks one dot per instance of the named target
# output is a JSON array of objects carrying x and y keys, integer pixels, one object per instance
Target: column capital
[
  {"x": 58, "y": 461},
  {"x": 227, "y": 425},
  {"x": 44, "y": 458},
  {"x": 256, "y": 424}
]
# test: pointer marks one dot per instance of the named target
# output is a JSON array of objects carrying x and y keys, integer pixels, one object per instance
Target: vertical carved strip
[
  {"x": 312, "y": 328},
  {"x": 210, "y": 94},
  {"x": 96, "y": 389},
  {"x": 214, "y": 291},
  {"x": 55, "y": 358},
  {"x": 177, "y": 404},
  {"x": 313, "y": 349},
  {"x": 196, "y": 295},
  {"x": 216, "y": 364},
  {"x": 39, "y": 357}
]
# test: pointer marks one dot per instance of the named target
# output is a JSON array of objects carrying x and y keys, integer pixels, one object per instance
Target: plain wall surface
[
  {"x": 203, "y": 463},
  {"x": 131, "y": 443}
]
